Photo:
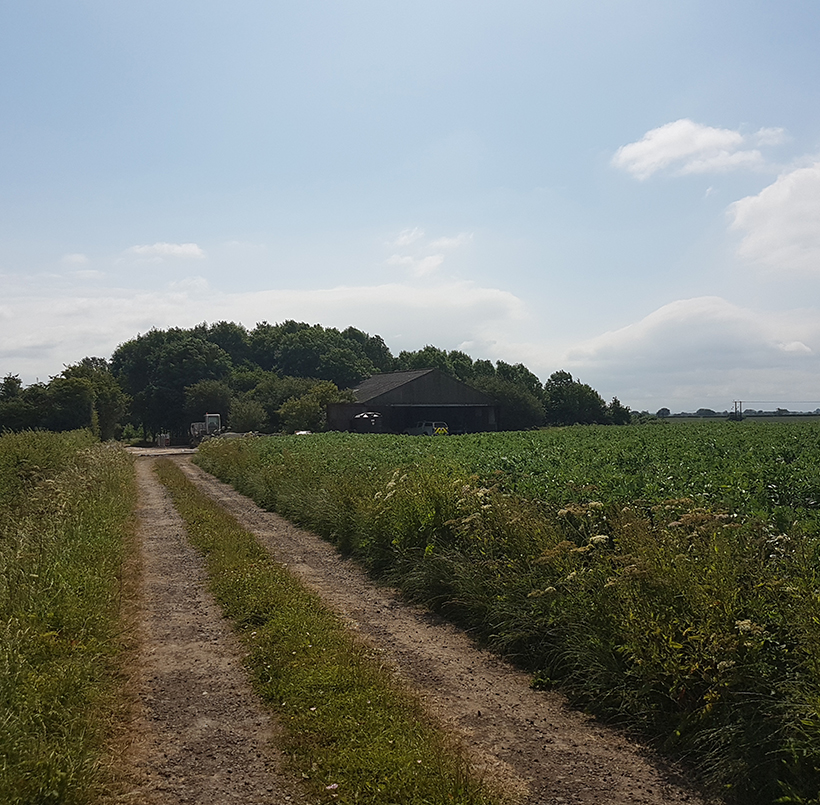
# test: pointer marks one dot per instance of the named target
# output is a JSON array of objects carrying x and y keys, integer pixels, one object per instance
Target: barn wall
[{"x": 434, "y": 388}]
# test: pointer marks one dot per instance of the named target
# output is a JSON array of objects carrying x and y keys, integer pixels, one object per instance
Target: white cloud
[
  {"x": 705, "y": 352},
  {"x": 770, "y": 136},
  {"x": 88, "y": 274},
  {"x": 75, "y": 259},
  {"x": 428, "y": 265},
  {"x": 688, "y": 147},
  {"x": 418, "y": 267},
  {"x": 452, "y": 243},
  {"x": 781, "y": 224},
  {"x": 418, "y": 263},
  {"x": 160, "y": 250},
  {"x": 408, "y": 236}
]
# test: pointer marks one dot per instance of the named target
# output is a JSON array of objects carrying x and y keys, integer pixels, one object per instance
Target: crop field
[
  {"x": 665, "y": 577},
  {"x": 64, "y": 506}
]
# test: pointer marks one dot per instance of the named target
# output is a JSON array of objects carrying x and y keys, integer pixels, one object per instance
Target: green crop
[{"x": 667, "y": 578}]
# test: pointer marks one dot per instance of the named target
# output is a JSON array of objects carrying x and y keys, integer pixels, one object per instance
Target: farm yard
[{"x": 663, "y": 578}]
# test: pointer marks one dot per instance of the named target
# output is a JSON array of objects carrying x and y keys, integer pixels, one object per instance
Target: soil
[{"x": 200, "y": 735}]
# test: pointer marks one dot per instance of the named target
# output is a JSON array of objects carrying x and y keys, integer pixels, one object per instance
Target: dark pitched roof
[
  {"x": 421, "y": 387},
  {"x": 377, "y": 385}
]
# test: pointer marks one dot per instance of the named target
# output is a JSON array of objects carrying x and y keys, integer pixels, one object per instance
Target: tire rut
[{"x": 199, "y": 734}]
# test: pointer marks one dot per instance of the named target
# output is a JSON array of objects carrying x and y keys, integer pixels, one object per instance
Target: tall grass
[
  {"x": 64, "y": 506},
  {"x": 688, "y": 612}
]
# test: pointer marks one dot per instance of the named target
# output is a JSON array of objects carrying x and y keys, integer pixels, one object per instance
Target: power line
[{"x": 778, "y": 402}]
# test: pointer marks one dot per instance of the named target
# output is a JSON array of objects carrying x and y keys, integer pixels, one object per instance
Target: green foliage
[
  {"x": 64, "y": 506},
  {"x": 230, "y": 337},
  {"x": 110, "y": 402},
  {"x": 70, "y": 404},
  {"x": 247, "y": 415},
  {"x": 570, "y": 402},
  {"x": 171, "y": 374},
  {"x": 518, "y": 407},
  {"x": 207, "y": 397},
  {"x": 428, "y": 358},
  {"x": 308, "y": 411},
  {"x": 618, "y": 414},
  {"x": 664, "y": 577},
  {"x": 84, "y": 395}
]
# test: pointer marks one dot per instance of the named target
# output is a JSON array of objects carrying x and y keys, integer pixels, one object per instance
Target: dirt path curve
[
  {"x": 529, "y": 739},
  {"x": 199, "y": 735}
]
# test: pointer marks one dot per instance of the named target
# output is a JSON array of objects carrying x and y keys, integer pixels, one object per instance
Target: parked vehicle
[
  {"x": 202, "y": 430},
  {"x": 428, "y": 428}
]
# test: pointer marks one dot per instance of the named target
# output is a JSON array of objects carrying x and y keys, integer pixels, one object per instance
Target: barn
[{"x": 395, "y": 401}]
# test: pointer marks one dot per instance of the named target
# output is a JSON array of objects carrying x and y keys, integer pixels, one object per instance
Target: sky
[{"x": 628, "y": 191}]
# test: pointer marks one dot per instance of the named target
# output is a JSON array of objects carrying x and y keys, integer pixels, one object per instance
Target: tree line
[{"x": 274, "y": 377}]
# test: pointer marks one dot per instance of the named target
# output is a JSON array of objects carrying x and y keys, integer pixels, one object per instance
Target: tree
[
  {"x": 371, "y": 347},
  {"x": 617, "y": 413},
  {"x": 208, "y": 397},
  {"x": 482, "y": 368},
  {"x": 428, "y": 358},
  {"x": 302, "y": 413},
  {"x": 247, "y": 415},
  {"x": 663, "y": 413},
  {"x": 343, "y": 367},
  {"x": 110, "y": 401},
  {"x": 520, "y": 375},
  {"x": 263, "y": 342},
  {"x": 70, "y": 404},
  {"x": 155, "y": 369},
  {"x": 518, "y": 408},
  {"x": 309, "y": 411},
  {"x": 11, "y": 387},
  {"x": 273, "y": 391},
  {"x": 232, "y": 338},
  {"x": 17, "y": 406},
  {"x": 462, "y": 365},
  {"x": 569, "y": 402}
]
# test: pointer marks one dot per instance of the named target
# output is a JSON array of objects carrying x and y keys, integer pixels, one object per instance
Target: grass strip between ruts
[{"x": 351, "y": 731}]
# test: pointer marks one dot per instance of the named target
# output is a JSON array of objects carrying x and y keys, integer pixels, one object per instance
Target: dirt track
[{"x": 203, "y": 737}]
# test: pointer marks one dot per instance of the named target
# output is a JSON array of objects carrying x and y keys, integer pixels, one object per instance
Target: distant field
[
  {"x": 750, "y": 418},
  {"x": 664, "y": 576}
]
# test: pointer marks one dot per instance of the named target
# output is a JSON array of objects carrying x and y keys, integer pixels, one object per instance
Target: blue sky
[{"x": 626, "y": 190}]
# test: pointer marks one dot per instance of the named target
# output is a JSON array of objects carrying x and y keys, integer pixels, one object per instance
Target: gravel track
[{"x": 198, "y": 734}]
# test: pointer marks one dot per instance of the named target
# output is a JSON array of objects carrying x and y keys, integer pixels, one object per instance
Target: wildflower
[
  {"x": 746, "y": 626},
  {"x": 331, "y": 787},
  {"x": 598, "y": 539}
]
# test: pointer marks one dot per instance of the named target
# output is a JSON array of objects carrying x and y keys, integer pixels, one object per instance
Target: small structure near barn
[{"x": 405, "y": 398}]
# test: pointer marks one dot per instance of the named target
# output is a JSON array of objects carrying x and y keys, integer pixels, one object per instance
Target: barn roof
[
  {"x": 418, "y": 387},
  {"x": 377, "y": 385}
]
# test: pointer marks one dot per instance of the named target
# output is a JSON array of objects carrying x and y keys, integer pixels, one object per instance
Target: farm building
[{"x": 401, "y": 399}]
